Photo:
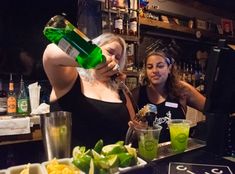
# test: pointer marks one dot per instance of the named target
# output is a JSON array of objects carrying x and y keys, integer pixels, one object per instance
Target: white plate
[
  {"x": 34, "y": 168},
  {"x": 3, "y": 171},
  {"x": 67, "y": 161},
  {"x": 140, "y": 163}
]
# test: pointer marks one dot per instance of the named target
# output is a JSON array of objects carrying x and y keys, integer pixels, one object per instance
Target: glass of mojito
[
  {"x": 179, "y": 133},
  {"x": 148, "y": 142}
]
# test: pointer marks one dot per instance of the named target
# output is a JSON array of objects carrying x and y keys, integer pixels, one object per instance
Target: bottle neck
[
  {"x": 1, "y": 88},
  {"x": 11, "y": 86}
]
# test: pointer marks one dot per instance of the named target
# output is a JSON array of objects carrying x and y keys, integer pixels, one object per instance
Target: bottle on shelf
[
  {"x": 130, "y": 57},
  {"x": 189, "y": 73},
  {"x": 11, "y": 98},
  {"x": 3, "y": 100},
  {"x": 192, "y": 71},
  {"x": 22, "y": 99},
  {"x": 72, "y": 41},
  {"x": 133, "y": 24},
  {"x": 184, "y": 72},
  {"x": 197, "y": 74},
  {"x": 118, "y": 23},
  {"x": 126, "y": 24}
]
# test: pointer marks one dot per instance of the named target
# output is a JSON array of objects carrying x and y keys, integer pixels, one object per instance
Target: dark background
[
  {"x": 226, "y": 5},
  {"x": 21, "y": 28}
]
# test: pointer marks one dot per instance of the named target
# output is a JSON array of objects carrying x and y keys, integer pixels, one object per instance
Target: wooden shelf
[
  {"x": 182, "y": 29},
  {"x": 167, "y": 26},
  {"x": 130, "y": 38},
  {"x": 131, "y": 73}
]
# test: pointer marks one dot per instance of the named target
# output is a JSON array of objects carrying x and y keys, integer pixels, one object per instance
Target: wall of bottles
[
  {"x": 120, "y": 17},
  {"x": 193, "y": 73}
]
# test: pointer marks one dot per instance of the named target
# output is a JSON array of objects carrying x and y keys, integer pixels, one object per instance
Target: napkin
[
  {"x": 15, "y": 126},
  {"x": 41, "y": 109},
  {"x": 34, "y": 95}
]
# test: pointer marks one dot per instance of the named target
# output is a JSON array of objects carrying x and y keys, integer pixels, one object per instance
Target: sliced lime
[
  {"x": 113, "y": 149},
  {"x": 83, "y": 163},
  {"x": 98, "y": 146},
  {"x": 112, "y": 160},
  {"x": 125, "y": 159},
  {"x": 92, "y": 167}
]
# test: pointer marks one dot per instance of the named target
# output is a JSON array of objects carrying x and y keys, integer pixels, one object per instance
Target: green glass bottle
[
  {"x": 22, "y": 100},
  {"x": 72, "y": 41}
]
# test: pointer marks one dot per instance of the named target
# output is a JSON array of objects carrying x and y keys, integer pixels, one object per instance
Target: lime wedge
[
  {"x": 131, "y": 151},
  {"x": 125, "y": 159},
  {"x": 92, "y": 167},
  {"x": 83, "y": 163},
  {"x": 112, "y": 149},
  {"x": 96, "y": 155},
  {"x": 98, "y": 146},
  {"x": 112, "y": 160}
]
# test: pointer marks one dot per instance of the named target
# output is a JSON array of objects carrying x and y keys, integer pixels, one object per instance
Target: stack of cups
[{"x": 34, "y": 95}]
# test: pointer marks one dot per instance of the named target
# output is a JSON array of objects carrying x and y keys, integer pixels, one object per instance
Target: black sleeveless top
[
  {"x": 170, "y": 108},
  {"x": 93, "y": 119}
]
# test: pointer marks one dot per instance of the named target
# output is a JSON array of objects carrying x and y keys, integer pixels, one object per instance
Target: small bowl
[
  {"x": 67, "y": 161},
  {"x": 3, "y": 171},
  {"x": 34, "y": 168},
  {"x": 140, "y": 163},
  {"x": 60, "y": 161}
]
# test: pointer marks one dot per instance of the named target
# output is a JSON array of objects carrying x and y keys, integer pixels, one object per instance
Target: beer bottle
[
  {"x": 22, "y": 99},
  {"x": 72, "y": 41},
  {"x": 133, "y": 24},
  {"x": 11, "y": 98},
  {"x": 118, "y": 23}
]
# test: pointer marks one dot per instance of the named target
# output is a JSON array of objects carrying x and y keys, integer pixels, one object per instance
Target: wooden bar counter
[{"x": 19, "y": 149}]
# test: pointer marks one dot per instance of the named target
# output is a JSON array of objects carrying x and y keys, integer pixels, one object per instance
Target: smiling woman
[{"x": 163, "y": 89}]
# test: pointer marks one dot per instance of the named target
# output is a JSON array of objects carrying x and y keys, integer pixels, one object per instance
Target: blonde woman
[{"x": 97, "y": 104}]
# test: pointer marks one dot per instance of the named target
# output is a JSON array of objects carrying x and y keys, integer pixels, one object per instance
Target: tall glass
[
  {"x": 56, "y": 133},
  {"x": 179, "y": 133},
  {"x": 148, "y": 139}
]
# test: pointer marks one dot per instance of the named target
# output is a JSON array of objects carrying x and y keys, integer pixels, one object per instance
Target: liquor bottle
[
  {"x": 22, "y": 99},
  {"x": 118, "y": 23},
  {"x": 184, "y": 72},
  {"x": 72, "y": 41},
  {"x": 11, "y": 98},
  {"x": 3, "y": 100},
  {"x": 197, "y": 74},
  {"x": 133, "y": 24},
  {"x": 126, "y": 24}
]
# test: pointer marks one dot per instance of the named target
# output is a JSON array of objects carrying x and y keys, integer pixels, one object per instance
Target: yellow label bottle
[{"x": 11, "y": 98}]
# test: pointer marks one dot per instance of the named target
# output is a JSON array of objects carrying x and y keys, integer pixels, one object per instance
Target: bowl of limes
[{"x": 106, "y": 159}]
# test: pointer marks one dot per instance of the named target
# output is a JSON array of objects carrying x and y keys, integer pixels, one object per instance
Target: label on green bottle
[
  {"x": 22, "y": 105},
  {"x": 67, "y": 47}
]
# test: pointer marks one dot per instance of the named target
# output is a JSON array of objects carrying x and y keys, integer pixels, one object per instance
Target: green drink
[
  {"x": 148, "y": 148},
  {"x": 73, "y": 42},
  {"x": 148, "y": 142},
  {"x": 179, "y": 132}
]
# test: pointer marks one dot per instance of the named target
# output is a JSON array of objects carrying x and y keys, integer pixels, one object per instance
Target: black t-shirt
[
  {"x": 93, "y": 119},
  {"x": 170, "y": 108}
]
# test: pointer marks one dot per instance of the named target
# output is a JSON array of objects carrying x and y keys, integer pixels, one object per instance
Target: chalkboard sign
[{"x": 191, "y": 168}]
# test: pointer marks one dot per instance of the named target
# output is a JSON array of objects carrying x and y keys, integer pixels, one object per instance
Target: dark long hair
[{"x": 172, "y": 85}]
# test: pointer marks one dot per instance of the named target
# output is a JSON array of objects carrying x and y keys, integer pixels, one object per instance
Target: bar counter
[
  {"x": 198, "y": 156},
  {"x": 16, "y": 148},
  {"x": 24, "y": 148}
]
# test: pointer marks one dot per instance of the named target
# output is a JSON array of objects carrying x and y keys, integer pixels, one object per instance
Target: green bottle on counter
[
  {"x": 72, "y": 41},
  {"x": 22, "y": 100}
]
